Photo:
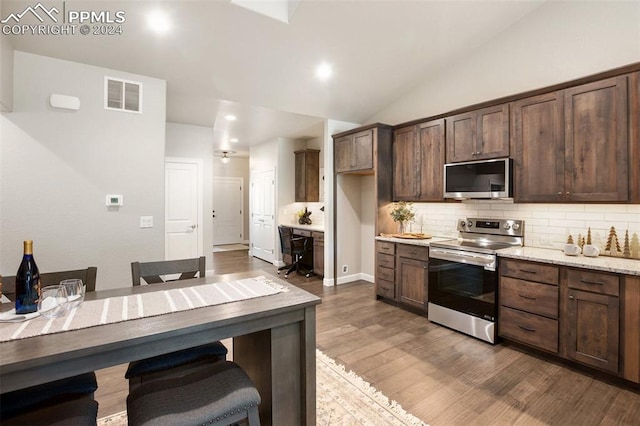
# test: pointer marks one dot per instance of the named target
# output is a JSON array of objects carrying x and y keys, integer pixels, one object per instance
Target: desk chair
[
  {"x": 296, "y": 247},
  {"x": 62, "y": 402},
  {"x": 179, "y": 363}
]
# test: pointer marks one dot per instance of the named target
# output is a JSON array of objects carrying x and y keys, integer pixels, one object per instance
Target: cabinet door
[
  {"x": 431, "y": 161},
  {"x": 596, "y": 141},
  {"x": 538, "y": 139},
  {"x": 362, "y": 151},
  {"x": 342, "y": 152},
  {"x": 411, "y": 280},
  {"x": 318, "y": 257},
  {"x": 300, "y": 180},
  {"x": 461, "y": 137},
  {"x": 492, "y": 134},
  {"x": 591, "y": 329},
  {"x": 405, "y": 164}
]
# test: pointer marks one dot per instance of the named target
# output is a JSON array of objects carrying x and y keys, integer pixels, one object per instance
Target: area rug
[
  {"x": 230, "y": 247},
  {"x": 343, "y": 399}
]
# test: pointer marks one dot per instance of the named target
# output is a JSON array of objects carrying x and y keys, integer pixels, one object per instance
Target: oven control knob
[
  {"x": 463, "y": 223},
  {"x": 469, "y": 223},
  {"x": 506, "y": 226},
  {"x": 516, "y": 226}
]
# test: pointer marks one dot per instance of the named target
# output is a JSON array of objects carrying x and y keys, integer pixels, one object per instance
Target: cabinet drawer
[
  {"x": 595, "y": 282},
  {"x": 301, "y": 232},
  {"x": 530, "y": 329},
  {"x": 413, "y": 252},
  {"x": 386, "y": 289},
  {"x": 529, "y": 271},
  {"x": 540, "y": 299},
  {"x": 386, "y": 260},
  {"x": 385, "y": 273},
  {"x": 318, "y": 236},
  {"x": 386, "y": 247}
]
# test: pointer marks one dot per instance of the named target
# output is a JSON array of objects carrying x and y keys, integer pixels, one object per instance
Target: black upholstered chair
[
  {"x": 296, "y": 247},
  {"x": 219, "y": 394},
  {"x": 62, "y": 402},
  {"x": 179, "y": 363}
]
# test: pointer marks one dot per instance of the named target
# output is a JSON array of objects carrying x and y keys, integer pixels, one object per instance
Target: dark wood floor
[{"x": 440, "y": 376}]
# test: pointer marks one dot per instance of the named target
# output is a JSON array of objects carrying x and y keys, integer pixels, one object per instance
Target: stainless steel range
[{"x": 463, "y": 276}]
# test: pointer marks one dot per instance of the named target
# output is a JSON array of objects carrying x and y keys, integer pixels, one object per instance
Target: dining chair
[
  {"x": 178, "y": 363},
  {"x": 65, "y": 401},
  {"x": 220, "y": 394},
  {"x": 88, "y": 277}
]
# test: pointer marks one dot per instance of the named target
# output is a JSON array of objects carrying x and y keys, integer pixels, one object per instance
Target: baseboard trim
[{"x": 349, "y": 279}]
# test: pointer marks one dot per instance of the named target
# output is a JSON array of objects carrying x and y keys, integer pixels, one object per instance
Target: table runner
[{"x": 92, "y": 313}]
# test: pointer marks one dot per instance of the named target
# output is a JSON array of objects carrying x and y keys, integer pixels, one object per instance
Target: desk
[
  {"x": 314, "y": 257},
  {"x": 273, "y": 340}
]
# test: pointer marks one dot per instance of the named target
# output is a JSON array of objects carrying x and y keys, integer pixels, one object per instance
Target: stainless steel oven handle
[{"x": 487, "y": 261}]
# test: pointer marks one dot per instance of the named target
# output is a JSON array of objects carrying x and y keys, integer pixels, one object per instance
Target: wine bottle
[{"x": 27, "y": 282}]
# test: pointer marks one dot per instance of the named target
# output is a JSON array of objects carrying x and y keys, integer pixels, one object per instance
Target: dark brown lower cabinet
[
  {"x": 318, "y": 253},
  {"x": 591, "y": 329},
  {"x": 412, "y": 275}
]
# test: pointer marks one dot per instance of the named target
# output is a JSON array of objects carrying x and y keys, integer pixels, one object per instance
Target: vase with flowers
[{"x": 402, "y": 213}]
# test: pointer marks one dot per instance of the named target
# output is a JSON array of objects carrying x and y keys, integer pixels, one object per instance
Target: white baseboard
[
  {"x": 209, "y": 272},
  {"x": 349, "y": 279}
]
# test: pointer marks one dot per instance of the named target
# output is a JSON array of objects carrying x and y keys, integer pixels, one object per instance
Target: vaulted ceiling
[{"x": 220, "y": 58}]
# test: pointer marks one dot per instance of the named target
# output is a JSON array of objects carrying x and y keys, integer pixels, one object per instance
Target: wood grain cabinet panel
[
  {"x": 533, "y": 330},
  {"x": 538, "y": 138},
  {"x": 418, "y": 162},
  {"x": 530, "y": 271},
  {"x": 478, "y": 135},
  {"x": 411, "y": 279},
  {"x": 596, "y": 141},
  {"x": 318, "y": 253},
  {"x": 591, "y": 329},
  {"x": 354, "y": 153},
  {"x": 385, "y": 270},
  {"x": 581, "y": 135},
  {"x": 539, "y": 299},
  {"x": 307, "y": 175}
]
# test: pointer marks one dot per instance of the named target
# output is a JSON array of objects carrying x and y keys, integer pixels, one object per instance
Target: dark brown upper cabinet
[
  {"x": 354, "y": 153},
  {"x": 307, "y": 178},
  {"x": 572, "y": 145},
  {"x": 418, "y": 162},
  {"x": 478, "y": 135}
]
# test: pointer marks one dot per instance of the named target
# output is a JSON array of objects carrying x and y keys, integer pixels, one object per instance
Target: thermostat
[{"x": 115, "y": 200}]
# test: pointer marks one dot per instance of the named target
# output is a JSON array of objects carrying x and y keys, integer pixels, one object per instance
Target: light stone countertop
[
  {"x": 312, "y": 227},
  {"x": 415, "y": 242},
  {"x": 557, "y": 257}
]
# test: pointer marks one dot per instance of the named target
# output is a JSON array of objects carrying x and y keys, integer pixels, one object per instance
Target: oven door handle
[{"x": 487, "y": 261}]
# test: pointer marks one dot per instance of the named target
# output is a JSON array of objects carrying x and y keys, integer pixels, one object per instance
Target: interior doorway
[
  {"x": 262, "y": 231},
  {"x": 228, "y": 210}
]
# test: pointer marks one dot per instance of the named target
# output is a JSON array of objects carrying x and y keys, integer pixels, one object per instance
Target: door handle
[{"x": 193, "y": 226}]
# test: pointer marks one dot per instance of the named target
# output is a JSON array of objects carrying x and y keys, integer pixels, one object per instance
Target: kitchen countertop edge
[
  {"x": 557, "y": 257},
  {"x": 414, "y": 242}
]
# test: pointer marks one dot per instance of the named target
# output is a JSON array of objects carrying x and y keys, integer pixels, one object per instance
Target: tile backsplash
[{"x": 546, "y": 225}]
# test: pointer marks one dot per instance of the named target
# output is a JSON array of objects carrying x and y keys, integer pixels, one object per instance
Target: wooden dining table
[{"x": 274, "y": 341}]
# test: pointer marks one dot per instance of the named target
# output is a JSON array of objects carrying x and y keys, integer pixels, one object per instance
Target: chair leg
[
  {"x": 252, "y": 416},
  {"x": 291, "y": 269}
]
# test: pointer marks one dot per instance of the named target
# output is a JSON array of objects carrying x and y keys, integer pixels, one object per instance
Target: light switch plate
[{"x": 146, "y": 221}]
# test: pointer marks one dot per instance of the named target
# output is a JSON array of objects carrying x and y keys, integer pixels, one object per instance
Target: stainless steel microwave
[{"x": 479, "y": 179}]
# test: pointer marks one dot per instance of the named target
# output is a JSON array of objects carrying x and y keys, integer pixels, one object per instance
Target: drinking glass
[
  {"x": 75, "y": 292},
  {"x": 53, "y": 301}
]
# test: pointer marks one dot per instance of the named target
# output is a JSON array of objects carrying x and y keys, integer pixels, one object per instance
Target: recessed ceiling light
[
  {"x": 159, "y": 21},
  {"x": 234, "y": 140},
  {"x": 324, "y": 71},
  {"x": 230, "y": 117}
]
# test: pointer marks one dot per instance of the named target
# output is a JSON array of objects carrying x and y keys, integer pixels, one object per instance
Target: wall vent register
[{"x": 122, "y": 95}]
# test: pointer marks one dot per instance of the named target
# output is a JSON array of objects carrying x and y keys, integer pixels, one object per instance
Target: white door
[
  {"x": 263, "y": 215},
  {"x": 183, "y": 196},
  {"x": 227, "y": 211}
]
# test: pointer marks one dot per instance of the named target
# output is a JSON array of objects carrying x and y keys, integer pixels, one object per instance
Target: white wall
[
  {"x": 557, "y": 42},
  {"x": 6, "y": 74},
  {"x": 58, "y": 165},
  {"x": 238, "y": 167},
  {"x": 187, "y": 141}
]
